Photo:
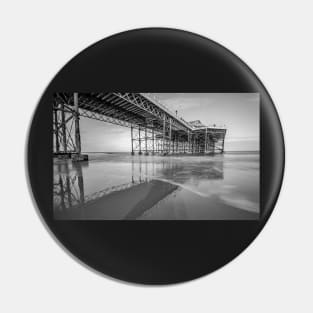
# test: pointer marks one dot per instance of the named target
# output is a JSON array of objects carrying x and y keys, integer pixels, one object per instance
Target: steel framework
[{"x": 154, "y": 128}]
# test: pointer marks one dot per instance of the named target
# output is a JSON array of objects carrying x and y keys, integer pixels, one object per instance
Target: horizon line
[{"x": 181, "y": 153}]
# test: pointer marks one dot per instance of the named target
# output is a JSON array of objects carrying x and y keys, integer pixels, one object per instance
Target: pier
[{"x": 154, "y": 129}]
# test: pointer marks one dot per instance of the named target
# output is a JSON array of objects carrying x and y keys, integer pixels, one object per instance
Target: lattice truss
[
  {"x": 63, "y": 124},
  {"x": 143, "y": 140},
  {"x": 154, "y": 129},
  {"x": 216, "y": 139},
  {"x": 208, "y": 141},
  {"x": 146, "y": 140}
]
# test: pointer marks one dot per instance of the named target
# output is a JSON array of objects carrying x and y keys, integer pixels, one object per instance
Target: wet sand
[
  {"x": 130, "y": 203},
  {"x": 122, "y": 187}
]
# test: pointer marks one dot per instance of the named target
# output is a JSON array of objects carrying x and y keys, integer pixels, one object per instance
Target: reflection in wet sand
[{"x": 119, "y": 186}]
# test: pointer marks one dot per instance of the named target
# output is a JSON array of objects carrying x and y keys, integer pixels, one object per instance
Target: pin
[{"x": 155, "y": 156}]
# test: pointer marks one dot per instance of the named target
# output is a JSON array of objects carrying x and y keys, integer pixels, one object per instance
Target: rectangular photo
[{"x": 156, "y": 156}]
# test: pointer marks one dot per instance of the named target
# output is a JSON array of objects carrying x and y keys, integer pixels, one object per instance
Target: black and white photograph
[{"x": 156, "y": 156}]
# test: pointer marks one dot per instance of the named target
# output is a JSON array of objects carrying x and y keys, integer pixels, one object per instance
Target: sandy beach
[{"x": 117, "y": 186}]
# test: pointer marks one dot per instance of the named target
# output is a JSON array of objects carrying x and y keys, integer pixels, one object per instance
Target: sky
[{"x": 238, "y": 111}]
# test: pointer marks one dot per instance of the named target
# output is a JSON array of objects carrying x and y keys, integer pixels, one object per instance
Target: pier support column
[
  {"x": 77, "y": 156},
  {"x": 170, "y": 137},
  {"x": 77, "y": 130},
  {"x": 152, "y": 141},
  {"x": 56, "y": 125},
  {"x": 193, "y": 144},
  {"x": 223, "y": 142},
  {"x": 63, "y": 128},
  {"x": 133, "y": 171},
  {"x": 139, "y": 140},
  {"x": 205, "y": 140},
  {"x": 132, "y": 138},
  {"x": 146, "y": 142},
  {"x": 163, "y": 142}
]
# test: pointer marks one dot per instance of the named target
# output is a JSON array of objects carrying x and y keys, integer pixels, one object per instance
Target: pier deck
[{"x": 154, "y": 128}]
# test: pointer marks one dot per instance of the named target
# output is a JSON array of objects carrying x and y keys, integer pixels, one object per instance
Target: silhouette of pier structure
[{"x": 154, "y": 129}]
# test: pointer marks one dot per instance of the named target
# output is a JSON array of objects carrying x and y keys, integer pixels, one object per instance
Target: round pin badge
[{"x": 155, "y": 156}]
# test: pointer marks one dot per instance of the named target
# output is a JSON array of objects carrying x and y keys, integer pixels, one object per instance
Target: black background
[{"x": 155, "y": 60}]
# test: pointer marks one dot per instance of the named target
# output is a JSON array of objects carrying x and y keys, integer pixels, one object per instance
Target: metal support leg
[
  {"x": 193, "y": 145},
  {"x": 152, "y": 141},
  {"x": 223, "y": 143},
  {"x": 132, "y": 138},
  {"x": 146, "y": 142},
  {"x": 139, "y": 140},
  {"x": 205, "y": 140},
  {"x": 63, "y": 128},
  {"x": 174, "y": 143},
  {"x": 170, "y": 137},
  {"x": 56, "y": 125},
  {"x": 163, "y": 143},
  {"x": 77, "y": 131}
]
